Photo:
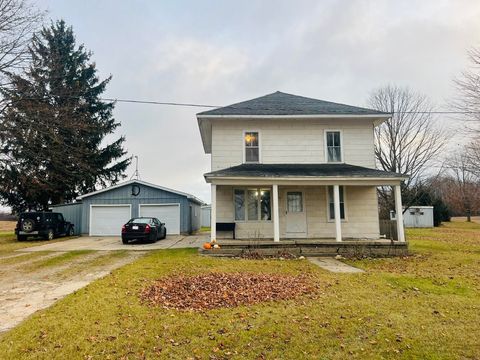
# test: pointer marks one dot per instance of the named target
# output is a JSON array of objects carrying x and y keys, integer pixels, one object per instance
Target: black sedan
[{"x": 143, "y": 228}]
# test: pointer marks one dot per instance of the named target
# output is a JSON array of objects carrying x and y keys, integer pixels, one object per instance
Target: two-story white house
[{"x": 286, "y": 166}]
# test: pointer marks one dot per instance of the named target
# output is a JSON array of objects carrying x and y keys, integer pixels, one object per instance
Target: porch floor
[
  {"x": 302, "y": 241},
  {"x": 309, "y": 247}
]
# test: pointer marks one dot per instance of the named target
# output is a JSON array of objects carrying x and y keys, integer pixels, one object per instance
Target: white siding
[
  {"x": 361, "y": 211},
  {"x": 292, "y": 141}
]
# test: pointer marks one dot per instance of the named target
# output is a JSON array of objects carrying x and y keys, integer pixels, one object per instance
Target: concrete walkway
[
  {"x": 334, "y": 265},
  {"x": 109, "y": 243}
]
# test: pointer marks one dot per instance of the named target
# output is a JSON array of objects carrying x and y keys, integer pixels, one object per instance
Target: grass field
[{"x": 426, "y": 306}]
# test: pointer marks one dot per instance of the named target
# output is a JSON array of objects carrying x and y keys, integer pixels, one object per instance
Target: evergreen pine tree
[{"x": 53, "y": 130}]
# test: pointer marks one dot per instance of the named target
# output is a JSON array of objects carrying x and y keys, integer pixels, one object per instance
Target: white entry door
[
  {"x": 107, "y": 220},
  {"x": 296, "y": 219},
  {"x": 166, "y": 213}
]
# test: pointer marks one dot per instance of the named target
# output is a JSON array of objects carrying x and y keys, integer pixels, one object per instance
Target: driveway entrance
[{"x": 109, "y": 243}]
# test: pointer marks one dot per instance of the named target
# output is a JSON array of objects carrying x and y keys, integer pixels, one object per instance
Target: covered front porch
[{"x": 301, "y": 211}]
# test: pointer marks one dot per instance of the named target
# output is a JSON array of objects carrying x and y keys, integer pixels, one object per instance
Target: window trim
[
  {"x": 245, "y": 189},
  {"x": 244, "y": 148},
  {"x": 344, "y": 204},
  {"x": 325, "y": 147}
]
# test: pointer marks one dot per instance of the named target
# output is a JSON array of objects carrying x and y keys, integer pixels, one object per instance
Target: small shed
[
  {"x": 416, "y": 216},
  {"x": 103, "y": 212}
]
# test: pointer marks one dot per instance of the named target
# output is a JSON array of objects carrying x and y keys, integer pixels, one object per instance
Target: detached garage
[{"x": 103, "y": 212}]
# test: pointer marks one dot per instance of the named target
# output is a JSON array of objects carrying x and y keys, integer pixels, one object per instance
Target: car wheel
[
  {"x": 21, "y": 238},
  {"x": 164, "y": 233},
  {"x": 71, "y": 231},
  {"x": 28, "y": 225},
  {"x": 125, "y": 241},
  {"x": 50, "y": 235}
]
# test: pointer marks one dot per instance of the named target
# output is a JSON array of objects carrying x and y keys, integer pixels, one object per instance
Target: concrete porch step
[{"x": 310, "y": 248}]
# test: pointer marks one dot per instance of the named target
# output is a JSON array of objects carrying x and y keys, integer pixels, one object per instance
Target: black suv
[{"x": 45, "y": 224}]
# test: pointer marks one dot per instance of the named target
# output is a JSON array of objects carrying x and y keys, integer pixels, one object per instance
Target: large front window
[
  {"x": 252, "y": 204},
  {"x": 334, "y": 146},
  {"x": 331, "y": 206},
  {"x": 252, "y": 149}
]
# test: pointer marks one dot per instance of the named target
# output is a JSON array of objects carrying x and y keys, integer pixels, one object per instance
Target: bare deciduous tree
[
  {"x": 463, "y": 193},
  {"x": 18, "y": 21},
  {"x": 408, "y": 143},
  {"x": 411, "y": 140},
  {"x": 468, "y": 85}
]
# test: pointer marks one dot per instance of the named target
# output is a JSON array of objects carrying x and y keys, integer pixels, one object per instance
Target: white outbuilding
[{"x": 416, "y": 216}]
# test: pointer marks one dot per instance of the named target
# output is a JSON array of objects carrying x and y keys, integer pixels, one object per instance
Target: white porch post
[
  {"x": 336, "y": 206},
  {"x": 213, "y": 214},
  {"x": 276, "y": 219},
  {"x": 399, "y": 213}
]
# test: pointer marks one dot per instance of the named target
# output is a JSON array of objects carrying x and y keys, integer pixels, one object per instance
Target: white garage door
[
  {"x": 107, "y": 220},
  {"x": 166, "y": 213}
]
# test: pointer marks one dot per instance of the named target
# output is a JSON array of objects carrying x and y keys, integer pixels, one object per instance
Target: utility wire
[
  {"x": 157, "y": 102},
  {"x": 169, "y": 103}
]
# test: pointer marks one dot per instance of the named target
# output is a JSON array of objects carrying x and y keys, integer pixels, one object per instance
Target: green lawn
[{"x": 426, "y": 306}]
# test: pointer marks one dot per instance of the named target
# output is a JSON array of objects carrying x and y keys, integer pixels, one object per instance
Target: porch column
[
  {"x": 276, "y": 219},
  {"x": 336, "y": 206},
  {"x": 399, "y": 213},
  {"x": 213, "y": 214}
]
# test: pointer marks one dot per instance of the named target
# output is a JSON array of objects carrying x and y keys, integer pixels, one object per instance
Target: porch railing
[{"x": 389, "y": 229}]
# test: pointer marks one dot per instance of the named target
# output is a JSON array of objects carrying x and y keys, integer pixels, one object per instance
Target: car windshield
[{"x": 141, "y": 220}]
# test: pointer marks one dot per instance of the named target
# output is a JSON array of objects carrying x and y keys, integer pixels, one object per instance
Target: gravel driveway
[{"x": 34, "y": 278}]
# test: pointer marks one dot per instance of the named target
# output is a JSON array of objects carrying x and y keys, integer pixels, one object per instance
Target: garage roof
[{"x": 141, "y": 182}]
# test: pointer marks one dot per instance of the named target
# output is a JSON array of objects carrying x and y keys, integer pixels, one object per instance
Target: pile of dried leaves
[{"x": 216, "y": 290}]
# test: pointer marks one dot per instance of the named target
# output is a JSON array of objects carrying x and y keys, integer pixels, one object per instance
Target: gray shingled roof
[
  {"x": 302, "y": 170},
  {"x": 280, "y": 103}
]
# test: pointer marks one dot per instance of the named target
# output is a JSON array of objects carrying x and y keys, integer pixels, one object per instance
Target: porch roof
[{"x": 302, "y": 171}]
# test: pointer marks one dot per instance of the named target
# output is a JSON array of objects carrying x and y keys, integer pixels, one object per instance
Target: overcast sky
[{"x": 221, "y": 52}]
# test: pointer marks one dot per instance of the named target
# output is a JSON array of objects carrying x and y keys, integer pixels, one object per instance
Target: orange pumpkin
[{"x": 207, "y": 246}]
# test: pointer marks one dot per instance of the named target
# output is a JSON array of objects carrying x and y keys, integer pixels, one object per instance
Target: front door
[{"x": 295, "y": 214}]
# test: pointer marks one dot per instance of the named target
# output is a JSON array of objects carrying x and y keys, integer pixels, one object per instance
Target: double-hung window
[
  {"x": 252, "y": 147},
  {"x": 331, "y": 206},
  {"x": 252, "y": 204},
  {"x": 334, "y": 146}
]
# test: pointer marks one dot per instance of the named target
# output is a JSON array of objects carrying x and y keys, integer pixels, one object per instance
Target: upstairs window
[
  {"x": 334, "y": 146},
  {"x": 252, "y": 149}
]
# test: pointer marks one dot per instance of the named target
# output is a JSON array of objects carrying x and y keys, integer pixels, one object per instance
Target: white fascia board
[{"x": 206, "y": 134}]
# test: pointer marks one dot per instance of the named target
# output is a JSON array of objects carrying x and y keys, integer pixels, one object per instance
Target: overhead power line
[
  {"x": 158, "y": 102},
  {"x": 171, "y": 103}
]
